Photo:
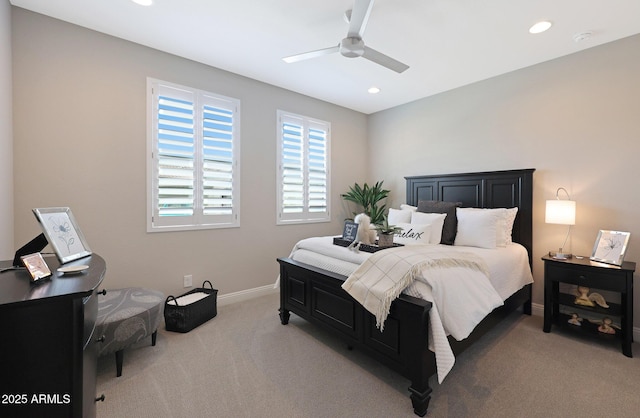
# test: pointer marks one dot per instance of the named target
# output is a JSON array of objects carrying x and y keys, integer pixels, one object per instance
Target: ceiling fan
[{"x": 353, "y": 46}]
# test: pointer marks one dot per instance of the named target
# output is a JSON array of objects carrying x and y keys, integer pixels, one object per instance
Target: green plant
[
  {"x": 385, "y": 229},
  {"x": 368, "y": 197}
]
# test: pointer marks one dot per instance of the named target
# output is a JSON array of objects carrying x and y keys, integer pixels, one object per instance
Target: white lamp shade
[{"x": 561, "y": 212}]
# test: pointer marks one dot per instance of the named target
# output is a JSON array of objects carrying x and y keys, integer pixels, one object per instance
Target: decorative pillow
[
  {"x": 479, "y": 227},
  {"x": 510, "y": 218},
  {"x": 450, "y": 222},
  {"x": 397, "y": 216},
  {"x": 412, "y": 234},
  {"x": 404, "y": 206},
  {"x": 435, "y": 219}
]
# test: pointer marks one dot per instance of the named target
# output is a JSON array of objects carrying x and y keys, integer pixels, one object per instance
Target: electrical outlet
[{"x": 188, "y": 280}]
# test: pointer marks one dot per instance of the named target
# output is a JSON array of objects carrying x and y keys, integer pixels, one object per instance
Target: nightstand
[{"x": 595, "y": 276}]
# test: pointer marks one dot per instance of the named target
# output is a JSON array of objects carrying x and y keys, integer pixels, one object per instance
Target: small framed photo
[
  {"x": 62, "y": 232},
  {"x": 36, "y": 266},
  {"x": 350, "y": 231},
  {"x": 610, "y": 247}
]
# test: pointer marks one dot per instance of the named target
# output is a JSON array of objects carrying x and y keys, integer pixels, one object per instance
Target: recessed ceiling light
[
  {"x": 373, "y": 90},
  {"x": 540, "y": 27},
  {"x": 143, "y": 2}
]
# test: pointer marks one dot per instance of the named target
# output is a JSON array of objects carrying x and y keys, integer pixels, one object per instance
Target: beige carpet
[{"x": 244, "y": 363}]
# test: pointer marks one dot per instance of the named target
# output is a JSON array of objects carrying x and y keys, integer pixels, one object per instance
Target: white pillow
[
  {"x": 398, "y": 216},
  {"x": 478, "y": 228},
  {"x": 509, "y": 219},
  {"x": 404, "y": 206},
  {"x": 435, "y": 219},
  {"x": 505, "y": 224},
  {"x": 413, "y": 234}
]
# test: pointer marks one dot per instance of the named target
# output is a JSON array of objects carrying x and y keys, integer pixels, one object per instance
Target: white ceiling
[{"x": 446, "y": 43}]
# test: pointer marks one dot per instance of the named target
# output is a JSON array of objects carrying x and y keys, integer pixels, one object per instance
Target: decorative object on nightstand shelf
[
  {"x": 585, "y": 299},
  {"x": 610, "y": 247},
  {"x": 606, "y": 326},
  {"x": 575, "y": 320},
  {"x": 561, "y": 212}
]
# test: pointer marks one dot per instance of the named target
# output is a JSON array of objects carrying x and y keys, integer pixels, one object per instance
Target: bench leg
[
  {"x": 153, "y": 338},
  {"x": 119, "y": 358}
]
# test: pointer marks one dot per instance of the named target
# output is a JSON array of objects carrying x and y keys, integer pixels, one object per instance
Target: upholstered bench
[{"x": 126, "y": 316}]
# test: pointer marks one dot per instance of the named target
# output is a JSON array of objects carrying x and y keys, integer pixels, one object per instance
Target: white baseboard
[
  {"x": 538, "y": 310},
  {"x": 248, "y": 294}
]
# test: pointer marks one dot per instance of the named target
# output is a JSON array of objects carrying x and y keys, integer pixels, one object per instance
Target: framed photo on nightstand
[{"x": 610, "y": 247}]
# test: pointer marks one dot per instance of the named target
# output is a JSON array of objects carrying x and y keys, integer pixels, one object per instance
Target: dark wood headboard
[{"x": 491, "y": 189}]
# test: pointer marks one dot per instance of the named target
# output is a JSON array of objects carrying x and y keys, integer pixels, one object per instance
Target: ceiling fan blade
[
  {"x": 384, "y": 60},
  {"x": 359, "y": 17},
  {"x": 311, "y": 54}
]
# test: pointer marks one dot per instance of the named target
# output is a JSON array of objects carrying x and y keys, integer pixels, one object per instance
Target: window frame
[
  {"x": 198, "y": 220},
  {"x": 306, "y": 216}
]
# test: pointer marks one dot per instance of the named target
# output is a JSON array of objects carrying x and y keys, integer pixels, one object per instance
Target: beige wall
[
  {"x": 79, "y": 129},
  {"x": 6, "y": 135},
  {"x": 80, "y": 132},
  {"x": 576, "y": 120}
]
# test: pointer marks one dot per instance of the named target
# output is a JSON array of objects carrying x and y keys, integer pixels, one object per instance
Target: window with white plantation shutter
[
  {"x": 194, "y": 144},
  {"x": 303, "y": 169}
]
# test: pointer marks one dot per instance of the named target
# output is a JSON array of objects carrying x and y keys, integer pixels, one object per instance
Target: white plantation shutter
[
  {"x": 303, "y": 169},
  {"x": 194, "y": 147},
  {"x": 292, "y": 168},
  {"x": 175, "y": 154},
  {"x": 218, "y": 162},
  {"x": 318, "y": 169}
]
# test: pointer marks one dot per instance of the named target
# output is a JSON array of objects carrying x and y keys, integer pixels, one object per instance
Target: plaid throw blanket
[{"x": 383, "y": 276}]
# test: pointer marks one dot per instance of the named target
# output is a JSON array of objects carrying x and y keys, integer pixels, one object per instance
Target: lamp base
[{"x": 560, "y": 255}]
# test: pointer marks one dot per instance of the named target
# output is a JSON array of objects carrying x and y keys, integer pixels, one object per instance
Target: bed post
[
  {"x": 420, "y": 399},
  {"x": 418, "y": 360},
  {"x": 284, "y": 313},
  {"x": 526, "y": 307}
]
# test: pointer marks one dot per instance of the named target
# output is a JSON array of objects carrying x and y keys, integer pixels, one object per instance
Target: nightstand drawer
[{"x": 587, "y": 277}]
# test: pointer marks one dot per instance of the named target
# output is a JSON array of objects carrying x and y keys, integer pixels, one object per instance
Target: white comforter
[{"x": 460, "y": 300}]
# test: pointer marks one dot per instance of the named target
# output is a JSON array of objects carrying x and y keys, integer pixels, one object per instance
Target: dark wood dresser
[{"x": 48, "y": 350}]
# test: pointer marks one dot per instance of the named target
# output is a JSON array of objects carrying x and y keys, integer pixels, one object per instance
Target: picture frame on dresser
[
  {"x": 36, "y": 266},
  {"x": 610, "y": 247},
  {"x": 62, "y": 231}
]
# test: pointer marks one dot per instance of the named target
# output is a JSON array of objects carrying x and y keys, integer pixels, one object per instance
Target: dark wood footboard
[{"x": 317, "y": 296}]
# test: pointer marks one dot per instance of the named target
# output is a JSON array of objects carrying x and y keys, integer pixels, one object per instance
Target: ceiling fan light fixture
[
  {"x": 540, "y": 27},
  {"x": 353, "y": 46}
]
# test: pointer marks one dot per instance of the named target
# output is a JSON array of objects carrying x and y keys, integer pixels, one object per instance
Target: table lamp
[{"x": 561, "y": 212}]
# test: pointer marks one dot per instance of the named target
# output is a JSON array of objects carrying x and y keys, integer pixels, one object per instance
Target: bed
[{"x": 316, "y": 294}]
